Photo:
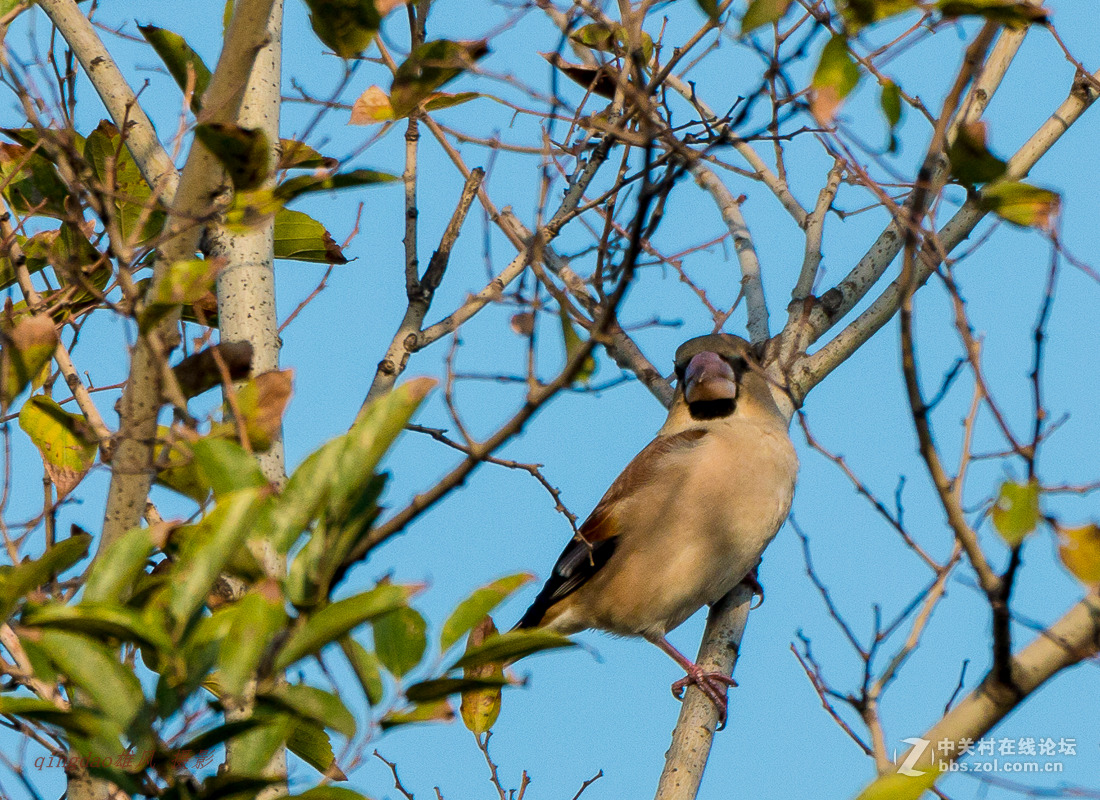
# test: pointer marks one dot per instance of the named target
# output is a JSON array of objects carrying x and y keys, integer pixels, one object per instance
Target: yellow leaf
[
  {"x": 481, "y": 707},
  {"x": 900, "y": 787},
  {"x": 1022, "y": 204},
  {"x": 66, "y": 441},
  {"x": 1079, "y": 549}
]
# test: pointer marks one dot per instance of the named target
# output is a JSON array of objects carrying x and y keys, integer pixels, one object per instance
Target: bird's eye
[{"x": 738, "y": 364}]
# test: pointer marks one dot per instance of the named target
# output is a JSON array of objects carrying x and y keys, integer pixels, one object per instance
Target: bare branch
[
  {"x": 751, "y": 285},
  {"x": 691, "y": 739},
  {"x": 1070, "y": 640}
]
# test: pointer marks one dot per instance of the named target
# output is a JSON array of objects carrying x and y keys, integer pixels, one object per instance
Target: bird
[{"x": 689, "y": 517}]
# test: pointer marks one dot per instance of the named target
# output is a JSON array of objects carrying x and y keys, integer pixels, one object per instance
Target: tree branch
[
  {"x": 1070, "y": 640},
  {"x": 810, "y": 371},
  {"x": 751, "y": 284},
  {"x": 119, "y": 99},
  {"x": 691, "y": 739},
  {"x": 202, "y": 179}
]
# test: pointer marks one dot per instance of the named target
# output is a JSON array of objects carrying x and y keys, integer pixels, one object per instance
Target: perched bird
[{"x": 689, "y": 517}]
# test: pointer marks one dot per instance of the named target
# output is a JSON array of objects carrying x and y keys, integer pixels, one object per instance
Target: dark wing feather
[
  {"x": 584, "y": 556},
  {"x": 577, "y": 563}
]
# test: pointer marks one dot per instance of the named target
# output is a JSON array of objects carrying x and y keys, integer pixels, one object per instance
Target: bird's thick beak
[{"x": 709, "y": 377}]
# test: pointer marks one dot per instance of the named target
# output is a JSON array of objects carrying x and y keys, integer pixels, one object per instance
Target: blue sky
[{"x": 607, "y": 706}]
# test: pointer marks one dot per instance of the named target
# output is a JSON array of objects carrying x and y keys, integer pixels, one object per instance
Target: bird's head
[{"x": 718, "y": 375}]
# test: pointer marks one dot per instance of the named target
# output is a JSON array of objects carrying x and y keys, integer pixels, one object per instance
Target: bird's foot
[
  {"x": 752, "y": 580},
  {"x": 712, "y": 684}
]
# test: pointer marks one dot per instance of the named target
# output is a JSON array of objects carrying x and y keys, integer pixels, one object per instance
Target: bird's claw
[
  {"x": 753, "y": 582},
  {"x": 712, "y": 684}
]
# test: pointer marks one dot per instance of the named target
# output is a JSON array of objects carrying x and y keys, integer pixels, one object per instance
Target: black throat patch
[{"x": 712, "y": 409}]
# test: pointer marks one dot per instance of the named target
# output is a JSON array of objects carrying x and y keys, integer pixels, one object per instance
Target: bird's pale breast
[{"x": 692, "y": 533}]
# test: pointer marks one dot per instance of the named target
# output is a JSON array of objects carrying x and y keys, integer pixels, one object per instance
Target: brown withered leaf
[
  {"x": 262, "y": 402},
  {"x": 371, "y": 107}
]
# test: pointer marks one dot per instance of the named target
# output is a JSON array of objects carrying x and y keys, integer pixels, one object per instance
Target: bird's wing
[{"x": 595, "y": 543}]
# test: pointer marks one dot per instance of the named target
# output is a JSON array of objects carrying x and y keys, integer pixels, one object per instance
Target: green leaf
[
  {"x": 573, "y": 343},
  {"x": 430, "y": 66},
  {"x": 78, "y": 721},
  {"x": 177, "y": 467},
  {"x": 33, "y": 265},
  {"x": 102, "y": 621},
  {"x": 53, "y": 139},
  {"x": 299, "y": 155},
  {"x": 180, "y": 59},
  {"x": 257, "y": 618},
  {"x": 334, "y": 621},
  {"x": 79, "y": 265},
  {"x": 220, "y": 734},
  {"x": 66, "y": 441},
  {"x": 325, "y": 558},
  {"x": 310, "y": 743},
  {"x": 204, "y": 555},
  {"x": 254, "y": 749},
  {"x": 226, "y": 467},
  {"x": 1021, "y": 203},
  {"x": 31, "y": 184},
  {"x": 315, "y": 705},
  {"x": 335, "y": 477},
  {"x": 612, "y": 39},
  {"x": 858, "y": 14},
  {"x": 900, "y": 787},
  {"x": 890, "y": 100},
  {"x": 367, "y": 669},
  {"x": 1016, "y": 512},
  {"x": 7, "y": 6},
  {"x": 834, "y": 79},
  {"x": 971, "y": 162},
  {"x": 470, "y": 611},
  {"x": 512, "y": 646},
  {"x": 118, "y": 174},
  {"x": 347, "y": 26},
  {"x": 480, "y": 706},
  {"x": 440, "y": 100},
  {"x": 435, "y": 711},
  {"x": 117, "y": 566},
  {"x": 400, "y": 638},
  {"x": 244, "y": 153},
  {"x": 25, "y": 348},
  {"x": 228, "y": 786},
  {"x": 40, "y": 662},
  {"x": 710, "y": 8},
  {"x": 1013, "y": 13},
  {"x": 95, "y": 668},
  {"x": 426, "y": 691},
  {"x": 303, "y": 184},
  {"x": 1079, "y": 549},
  {"x": 20, "y": 579},
  {"x": 185, "y": 282},
  {"x": 299, "y": 237},
  {"x": 330, "y": 793},
  {"x": 763, "y": 12}
]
